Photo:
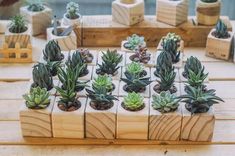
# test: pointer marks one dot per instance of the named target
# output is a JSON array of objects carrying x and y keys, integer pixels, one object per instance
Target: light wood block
[
  {"x": 132, "y": 125},
  {"x": 197, "y": 127},
  {"x": 122, "y": 63},
  {"x": 36, "y": 123},
  {"x": 154, "y": 78},
  {"x": 151, "y": 62},
  {"x": 40, "y": 20},
  {"x": 128, "y": 14},
  {"x": 172, "y": 12},
  {"x": 147, "y": 69},
  {"x": 165, "y": 126},
  {"x": 115, "y": 77},
  {"x": 219, "y": 48},
  {"x": 224, "y": 89},
  {"x": 101, "y": 124},
  {"x": 68, "y": 124}
]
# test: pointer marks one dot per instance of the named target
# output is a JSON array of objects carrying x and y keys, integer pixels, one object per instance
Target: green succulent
[
  {"x": 194, "y": 65},
  {"x": 167, "y": 79},
  {"x": 196, "y": 80},
  {"x": 134, "y": 41},
  {"x": 53, "y": 67},
  {"x": 18, "y": 24},
  {"x": 42, "y": 77},
  {"x": 38, "y": 98},
  {"x": 221, "y": 30},
  {"x": 133, "y": 101},
  {"x": 165, "y": 102},
  {"x": 35, "y": 5},
  {"x": 72, "y": 10},
  {"x": 52, "y": 52},
  {"x": 110, "y": 61},
  {"x": 199, "y": 101},
  {"x": 209, "y": 1},
  {"x": 103, "y": 81},
  {"x": 135, "y": 68}
]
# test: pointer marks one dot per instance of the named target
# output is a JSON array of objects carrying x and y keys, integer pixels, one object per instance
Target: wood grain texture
[{"x": 101, "y": 124}]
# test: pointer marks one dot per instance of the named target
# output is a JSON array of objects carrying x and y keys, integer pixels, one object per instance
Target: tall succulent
[
  {"x": 35, "y": 5},
  {"x": 133, "y": 102},
  {"x": 52, "y": 52},
  {"x": 134, "y": 41},
  {"x": 196, "y": 80},
  {"x": 166, "y": 82},
  {"x": 18, "y": 24},
  {"x": 221, "y": 30}
]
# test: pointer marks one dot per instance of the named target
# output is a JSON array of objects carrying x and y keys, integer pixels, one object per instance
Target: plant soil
[
  {"x": 73, "y": 106},
  {"x": 139, "y": 90},
  {"x": 157, "y": 89},
  {"x": 19, "y": 31},
  {"x": 202, "y": 110},
  {"x": 101, "y": 106},
  {"x": 132, "y": 110},
  {"x": 76, "y": 17},
  {"x": 216, "y": 36},
  {"x": 135, "y": 58},
  {"x": 99, "y": 72}
]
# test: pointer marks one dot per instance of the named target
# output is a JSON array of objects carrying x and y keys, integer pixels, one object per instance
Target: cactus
[
  {"x": 72, "y": 10},
  {"x": 52, "y": 52},
  {"x": 221, "y": 30}
]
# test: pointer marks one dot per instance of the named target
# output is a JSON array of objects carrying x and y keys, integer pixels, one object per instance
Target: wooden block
[
  {"x": 68, "y": 124},
  {"x": 66, "y": 43},
  {"x": 151, "y": 62},
  {"x": 165, "y": 126},
  {"x": 154, "y": 78},
  {"x": 36, "y": 122},
  {"x": 152, "y": 91},
  {"x": 219, "y": 48},
  {"x": 123, "y": 63},
  {"x": 116, "y": 77},
  {"x": 40, "y": 20},
  {"x": 197, "y": 127},
  {"x": 147, "y": 69},
  {"x": 172, "y": 12},
  {"x": 128, "y": 14},
  {"x": 132, "y": 125}
]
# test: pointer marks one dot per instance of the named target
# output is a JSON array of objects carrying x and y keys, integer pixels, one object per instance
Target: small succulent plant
[
  {"x": 165, "y": 102},
  {"x": 52, "y": 52},
  {"x": 35, "y": 5},
  {"x": 135, "y": 68},
  {"x": 42, "y": 77},
  {"x": 38, "y": 98},
  {"x": 209, "y": 1},
  {"x": 141, "y": 55},
  {"x": 110, "y": 61},
  {"x": 53, "y": 67},
  {"x": 196, "y": 80},
  {"x": 103, "y": 81},
  {"x": 133, "y": 102},
  {"x": 134, "y": 41},
  {"x": 18, "y": 24},
  {"x": 199, "y": 101},
  {"x": 86, "y": 55},
  {"x": 72, "y": 10},
  {"x": 221, "y": 30}
]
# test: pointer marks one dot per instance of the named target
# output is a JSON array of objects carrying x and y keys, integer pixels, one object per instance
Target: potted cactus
[
  {"x": 100, "y": 112},
  {"x": 175, "y": 14},
  {"x": 198, "y": 116},
  {"x": 219, "y": 42},
  {"x": 133, "y": 110},
  {"x": 208, "y": 11},
  {"x": 165, "y": 117},
  {"x": 133, "y": 42},
  {"x": 35, "y": 114},
  {"x": 38, "y": 14}
]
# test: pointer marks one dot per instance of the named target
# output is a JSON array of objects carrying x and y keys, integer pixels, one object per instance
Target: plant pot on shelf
[
  {"x": 172, "y": 12},
  {"x": 40, "y": 20},
  {"x": 128, "y": 12},
  {"x": 68, "y": 124},
  {"x": 71, "y": 22},
  {"x": 218, "y": 47},
  {"x": 207, "y": 13}
]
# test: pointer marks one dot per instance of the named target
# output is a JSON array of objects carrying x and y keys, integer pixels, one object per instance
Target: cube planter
[
  {"x": 40, "y": 20},
  {"x": 114, "y": 77},
  {"x": 219, "y": 48},
  {"x": 172, "y": 12},
  {"x": 36, "y": 122},
  {"x": 128, "y": 12},
  {"x": 71, "y": 22},
  {"x": 68, "y": 124},
  {"x": 101, "y": 124},
  {"x": 66, "y": 43},
  {"x": 132, "y": 125},
  {"x": 197, "y": 127},
  {"x": 207, "y": 13},
  {"x": 165, "y": 126}
]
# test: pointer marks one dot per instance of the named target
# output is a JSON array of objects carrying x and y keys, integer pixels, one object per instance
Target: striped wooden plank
[
  {"x": 224, "y": 89},
  {"x": 9, "y": 109}
]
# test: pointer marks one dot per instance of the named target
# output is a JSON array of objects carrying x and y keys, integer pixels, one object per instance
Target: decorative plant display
[
  {"x": 86, "y": 55},
  {"x": 133, "y": 42},
  {"x": 72, "y": 16},
  {"x": 219, "y": 42},
  {"x": 133, "y": 102},
  {"x": 52, "y": 52},
  {"x": 208, "y": 11},
  {"x": 103, "y": 81},
  {"x": 141, "y": 55}
]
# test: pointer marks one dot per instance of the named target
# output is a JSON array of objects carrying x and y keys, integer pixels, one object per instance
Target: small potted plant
[
  {"x": 132, "y": 117},
  {"x": 198, "y": 116},
  {"x": 208, "y": 11},
  {"x": 133, "y": 42},
  {"x": 87, "y": 56},
  {"x": 100, "y": 113},
  {"x": 175, "y": 14},
  {"x": 38, "y": 15},
  {"x": 219, "y": 42},
  {"x": 165, "y": 117},
  {"x": 128, "y": 12},
  {"x": 135, "y": 68},
  {"x": 35, "y": 115}
]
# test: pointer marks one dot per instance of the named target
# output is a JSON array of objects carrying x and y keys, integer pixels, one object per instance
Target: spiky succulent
[
  {"x": 133, "y": 102},
  {"x": 221, "y": 30},
  {"x": 18, "y": 24},
  {"x": 38, "y": 98},
  {"x": 209, "y": 1},
  {"x": 134, "y": 41},
  {"x": 35, "y": 5},
  {"x": 72, "y": 10},
  {"x": 164, "y": 63},
  {"x": 53, "y": 67},
  {"x": 110, "y": 61},
  {"x": 52, "y": 52},
  {"x": 135, "y": 68},
  {"x": 103, "y": 81},
  {"x": 199, "y": 101},
  {"x": 165, "y": 102},
  {"x": 42, "y": 77},
  {"x": 141, "y": 55},
  {"x": 167, "y": 79},
  {"x": 196, "y": 80}
]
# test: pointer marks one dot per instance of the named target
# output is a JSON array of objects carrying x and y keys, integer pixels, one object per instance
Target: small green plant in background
[
  {"x": 165, "y": 102},
  {"x": 52, "y": 52},
  {"x": 133, "y": 102},
  {"x": 35, "y": 5},
  {"x": 72, "y": 10},
  {"x": 134, "y": 41},
  {"x": 221, "y": 30},
  {"x": 196, "y": 80},
  {"x": 18, "y": 24},
  {"x": 38, "y": 98},
  {"x": 103, "y": 81},
  {"x": 135, "y": 68}
]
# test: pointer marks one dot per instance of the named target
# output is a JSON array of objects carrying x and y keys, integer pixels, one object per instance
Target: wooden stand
[
  {"x": 172, "y": 12},
  {"x": 40, "y": 20},
  {"x": 132, "y": 125},
  {"x": 101, "y": 124},
  {"x": 219, "y": 48},
  {"x": 68, "y": 124},
  {"x": 197, "y": 127},
  {"x": 128, "y": 13}
]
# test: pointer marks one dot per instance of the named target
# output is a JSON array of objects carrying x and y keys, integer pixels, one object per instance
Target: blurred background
[{"x": 9, "y": 8}]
